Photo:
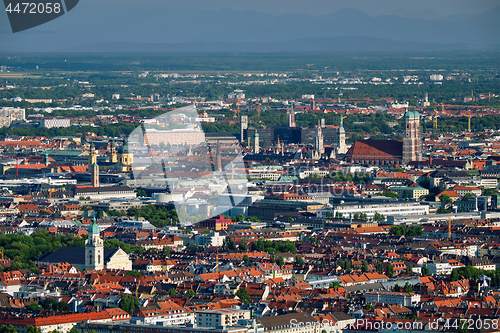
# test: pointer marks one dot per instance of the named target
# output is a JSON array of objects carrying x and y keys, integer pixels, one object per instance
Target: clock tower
[{"x": 94, "y": 249}]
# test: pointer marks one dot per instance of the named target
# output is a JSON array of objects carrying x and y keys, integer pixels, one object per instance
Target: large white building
[
  {"x": 55, "y": 122},
  {"x": 395, "y": 208},
  {"x": 221, "y": 317},
  {"x": 212, "y": 239},
  {"x": 392, "y": 297},
  {"x": 10, "y": 114}
]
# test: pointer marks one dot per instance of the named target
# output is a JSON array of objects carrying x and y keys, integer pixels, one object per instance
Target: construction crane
[
  {"x": 469, "y": 122},
  {"x": 50, "y": 193},
  {"x": 309, "y": 65}
]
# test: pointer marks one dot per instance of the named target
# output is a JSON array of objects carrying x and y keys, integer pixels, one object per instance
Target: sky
[
  {"x": 428, "y": 9},
  {"x": 190, "y": 21}
]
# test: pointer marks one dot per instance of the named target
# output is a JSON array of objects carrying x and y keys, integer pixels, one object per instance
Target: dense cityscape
[{"x": 351, "y": 195}]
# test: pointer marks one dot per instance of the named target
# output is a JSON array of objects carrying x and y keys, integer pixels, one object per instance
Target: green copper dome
[
  {"x": 94, "y": 229},
  {"x": 125, "y": 149},
  {"x": 410, "y": 114}
]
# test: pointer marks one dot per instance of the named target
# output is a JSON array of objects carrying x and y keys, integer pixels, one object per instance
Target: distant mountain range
[{"x": 100, "y": 27}]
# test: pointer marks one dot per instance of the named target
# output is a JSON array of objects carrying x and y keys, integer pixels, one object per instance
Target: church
[
  {"x": 92, "y": 257},
  {"x": 390, "y": 152}
]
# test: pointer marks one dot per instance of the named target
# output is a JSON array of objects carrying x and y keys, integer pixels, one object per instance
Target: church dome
[
  {"x": 411, "y": 114},
  {"x": 94, "y": 229},
  {"x": 125, "y": 149}
]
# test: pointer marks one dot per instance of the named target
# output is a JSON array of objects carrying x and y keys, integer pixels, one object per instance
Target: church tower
[
  {"x": 93, "y": 167},
  {"x": 319, "y": 146},
  {"x": 412, "y": 145},
  {"x": 125, "y": 157},
  {"x": 341, "y": 148},
  {"x": 94, "y": 174},
  {"x": 113, "y": 157},
  {"x": 256, "y": 147},
  {"x": 94, "y": 249},
  {"x": 92, "y": 155}
]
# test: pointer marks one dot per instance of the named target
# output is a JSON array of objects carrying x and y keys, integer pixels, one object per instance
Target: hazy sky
[
  {"x": 194, "y": 21},
  {"x": 407, "y": 8}
]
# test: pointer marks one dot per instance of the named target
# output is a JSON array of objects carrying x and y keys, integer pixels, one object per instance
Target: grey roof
[
  {"x": 286, "y": 320},
  {"x": 72, "y": 255},
  {"x": 364, "y": 287}
]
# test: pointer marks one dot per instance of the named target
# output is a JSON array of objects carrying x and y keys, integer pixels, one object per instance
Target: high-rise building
[
  {"x": 412, "y": 145},
  {"x": 291, "y": 117},
  {"x": 243, "y": 127}
]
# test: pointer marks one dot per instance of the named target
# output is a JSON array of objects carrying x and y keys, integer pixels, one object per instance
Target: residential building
[
  {"x": 391, "y": 297},
  {"x": 212, "y": 239},
  {"x": 221, "y": 317}
]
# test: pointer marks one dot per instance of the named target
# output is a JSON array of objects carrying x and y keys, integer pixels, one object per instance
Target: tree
[
  {"x": 33, "y": 329},
  {"x": 379, "y": 267},
  {"x": 389, "y": 271},
  {"x": 166, "y": 251},
  {"x": 364, "y": 268},
  {"x": 243, "y": 245},
  {"x": 323, "y": 264},
  {"x": 133, "y": 274},
  {"x": 409, "y": 269},
  {"x": 242, "y": 294},
  {"x": 290, "y": 220},
  {"x": 246, "y": 259},
  {"x": 299, "y": 261},
  {"x": 445, "y": 199},
  {"x": 390, "y": 194},
  {"x": 100, "y": 213},
  {"x": 467, "y": 196},
  {"x": 129, "y": 303},
  {"x": 348, "y": 265},
  {"x": 272, "y": 260},
  {"x": 229, "y": 244},
  {"x": 7, "y": 329},
  {"x": 379, "y": 217},
  {"x": 34, "y": 307},
  {"x": 190, "y": 293},
  {"x": 408, "y": 288},
  {"x": 489, "y": 192},
  {"x": 425, "y": 271},
  {"x": 281, "y": 261}
]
